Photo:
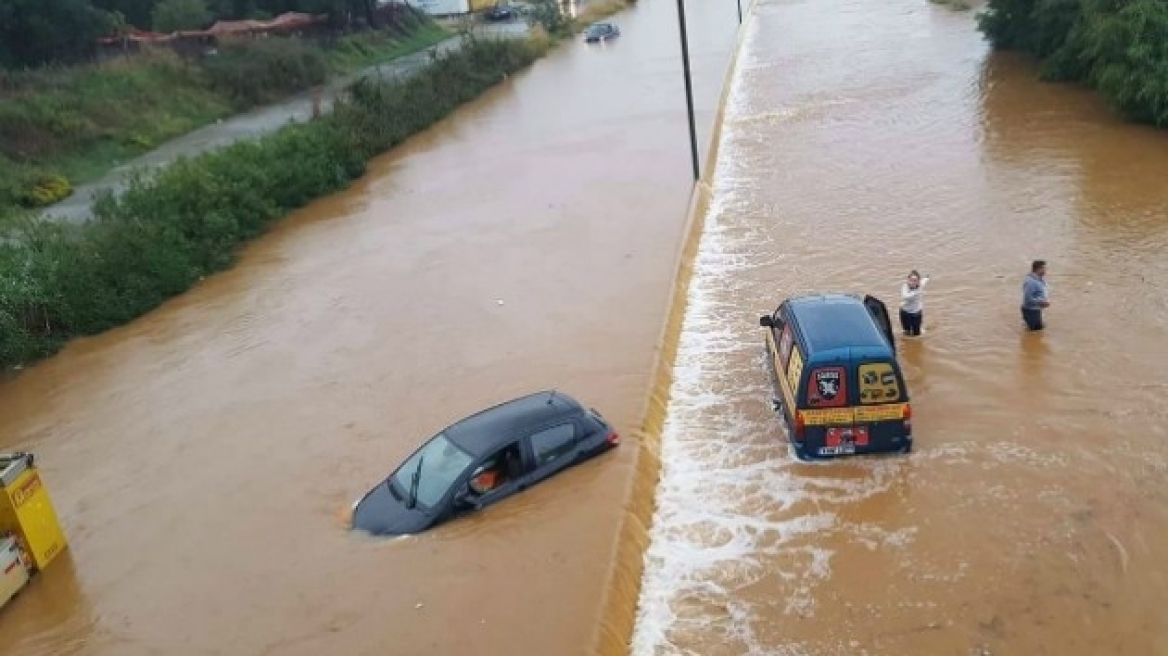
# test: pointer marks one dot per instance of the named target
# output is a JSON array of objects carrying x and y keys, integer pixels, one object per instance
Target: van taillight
[
  {"x": 613, "y": 438},
  {"x": 800, "y": 426}
]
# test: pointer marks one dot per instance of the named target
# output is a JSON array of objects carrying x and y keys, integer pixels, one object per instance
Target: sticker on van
[
  {"x": 785, "y": 344},
  {"x": 878, "y": 383},
  {"x": 795, "y": 369},
  {"x": 828, "y": 387}
]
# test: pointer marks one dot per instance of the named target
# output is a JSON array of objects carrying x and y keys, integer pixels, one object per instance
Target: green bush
[
  {"x": 548, "y": 15},
  {"x": 256, "y": 71},
  {"x": 1120, "y": 48},
  {"x": 165, "y": 232},
  {"x": 44, "y": 188}
]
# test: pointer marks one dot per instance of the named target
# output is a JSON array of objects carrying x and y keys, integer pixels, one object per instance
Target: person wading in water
[
  {"x": 1034, "y": 295},
  {"x": 911, "y": 306}
]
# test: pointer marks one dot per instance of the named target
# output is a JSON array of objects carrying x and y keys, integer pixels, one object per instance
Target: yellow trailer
[{"x": 27, "y": 512}]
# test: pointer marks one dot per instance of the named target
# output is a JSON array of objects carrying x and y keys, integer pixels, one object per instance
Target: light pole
[
  {"x": 693, "y": 135},
  {"x": 739, "y": 12}
]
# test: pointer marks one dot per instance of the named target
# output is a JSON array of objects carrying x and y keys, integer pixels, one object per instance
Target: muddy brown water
[
  {"x": 201, "y": 457},
  {"x": 864, "y": 139}
]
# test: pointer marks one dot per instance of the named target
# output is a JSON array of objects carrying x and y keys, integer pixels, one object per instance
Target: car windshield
[
  {"x": 442, "y": 463},
  {"x": 599, "y": 28}
]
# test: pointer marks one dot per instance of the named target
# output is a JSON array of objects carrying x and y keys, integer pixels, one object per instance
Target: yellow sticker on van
[
  {"x": 890, "y": 412},
  {"x": 795, "y": 369},
  {"x": 829, "y": 417},
  {"x": 878, "y": 383}
]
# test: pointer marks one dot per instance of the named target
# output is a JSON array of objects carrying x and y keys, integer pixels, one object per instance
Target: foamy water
[{"x": 728, "y": 483}]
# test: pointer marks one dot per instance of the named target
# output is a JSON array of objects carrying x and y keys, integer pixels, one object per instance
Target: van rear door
[
  {"x": 880, "y": 313},
  {"x": 884, "y": 413},
  {"x": 830, "y": 426}
]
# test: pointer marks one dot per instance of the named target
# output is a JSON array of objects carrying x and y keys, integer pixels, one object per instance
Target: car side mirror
[
  {"x": 766, "y": 321},
  {"x": 464, "y": 500}
]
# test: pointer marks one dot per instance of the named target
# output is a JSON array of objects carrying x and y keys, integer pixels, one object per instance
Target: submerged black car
[
  {"x": 483, "y": 459},
  {"x": 601, "y": 32}
]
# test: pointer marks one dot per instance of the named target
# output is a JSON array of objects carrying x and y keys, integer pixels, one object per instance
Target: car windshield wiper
[{"x": 414, "y": 483}]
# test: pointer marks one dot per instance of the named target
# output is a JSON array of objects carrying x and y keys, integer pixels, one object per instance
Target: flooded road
[
  {"x": 864, "y": 139},
  {"x": 200, "y": 458}
]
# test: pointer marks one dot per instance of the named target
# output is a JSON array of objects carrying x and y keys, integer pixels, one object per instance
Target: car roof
[
  {"x": 489, "y": 430},
  {"x": 828, "y": 322}
]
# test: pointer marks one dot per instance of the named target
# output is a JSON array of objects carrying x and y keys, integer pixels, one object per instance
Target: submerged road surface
[
  {"x": 201, "y": 457},
  {"x": 864, "y": 139}
]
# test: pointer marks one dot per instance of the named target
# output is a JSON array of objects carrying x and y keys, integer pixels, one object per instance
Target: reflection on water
[{"x": 1028, "y": 519}]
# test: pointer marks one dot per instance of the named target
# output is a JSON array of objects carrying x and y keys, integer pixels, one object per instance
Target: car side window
[{"x": 553, "y": 443}]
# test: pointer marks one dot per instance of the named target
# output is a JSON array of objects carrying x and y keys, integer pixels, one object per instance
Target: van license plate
[
  {"x": 850, "y": 436},
  {"x": 843, "y": 449}
]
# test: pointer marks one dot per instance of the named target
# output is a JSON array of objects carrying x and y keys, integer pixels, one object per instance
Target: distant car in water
[
  {"x": 601, "y": 32},
  {"x": 502, "y": 12},
  {"x": 483, "y": 459}
]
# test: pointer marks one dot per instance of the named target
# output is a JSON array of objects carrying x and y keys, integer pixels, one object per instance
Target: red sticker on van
[{"x": 827, "y": 387}]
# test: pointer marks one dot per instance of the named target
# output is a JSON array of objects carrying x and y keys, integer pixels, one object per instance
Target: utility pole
[{"x": 693, "y": 135}]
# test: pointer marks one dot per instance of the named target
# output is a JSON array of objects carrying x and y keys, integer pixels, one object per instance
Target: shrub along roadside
[
  {"x": 1118, "y": 48},
  {"x": 78, "y": 122},
  {"x": 59, "y": 281}
]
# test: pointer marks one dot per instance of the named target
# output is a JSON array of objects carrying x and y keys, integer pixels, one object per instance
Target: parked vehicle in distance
[
  {"x": 482, "y": 460},
  {"x": 601, "y": 32},
  {"x": 839, "y": 386},
  {"x": 502, "y": 12}
]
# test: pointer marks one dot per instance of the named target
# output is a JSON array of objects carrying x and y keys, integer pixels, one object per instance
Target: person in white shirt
[{"x": 911, "y": 306}]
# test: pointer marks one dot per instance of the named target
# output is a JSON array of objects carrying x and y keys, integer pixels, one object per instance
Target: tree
[
  {"x": 174, "y": 15},
  {"x": 136, "y": 12},
  {"x": 34, "y": 32}
]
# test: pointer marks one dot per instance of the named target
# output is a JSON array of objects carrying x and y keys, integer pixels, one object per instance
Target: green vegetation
[
  {"x": 1118, "y": 47},
  {"x": 59, "y": 281},
  {"x": 173, "y": 15},
  {"x": 73, "y": 124},
  {"x": 38, "y": 32},
  {"x": 368, "y": 48}
]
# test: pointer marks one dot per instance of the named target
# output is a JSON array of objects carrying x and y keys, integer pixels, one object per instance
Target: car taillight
[
  {"x": 800, "y": 426},
  {"x": 613, "y": 438},
  {"x": 906, "y": 415}
]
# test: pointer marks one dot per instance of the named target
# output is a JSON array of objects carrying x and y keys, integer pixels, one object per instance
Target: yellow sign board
[
  {"x": 858, "y": 415},
  {"x": 829, "y": 417},
  {"x": 25, "y": 509}
]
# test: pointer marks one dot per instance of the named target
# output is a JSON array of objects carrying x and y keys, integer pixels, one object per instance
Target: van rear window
[
  {"x": 827, "y": 387},
  {"x": 878, "y": 383}
]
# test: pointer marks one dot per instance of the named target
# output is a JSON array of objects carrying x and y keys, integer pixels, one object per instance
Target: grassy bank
[
  {"x": 64, "y": 126},
  {"x": 1118, "y": 48}
]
